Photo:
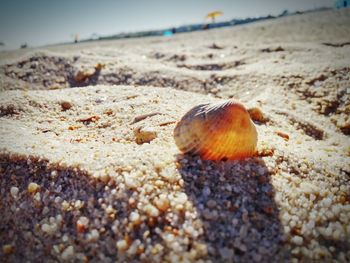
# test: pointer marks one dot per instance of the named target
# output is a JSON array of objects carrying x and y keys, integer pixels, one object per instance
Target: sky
[{"x": 42, "y": 22}]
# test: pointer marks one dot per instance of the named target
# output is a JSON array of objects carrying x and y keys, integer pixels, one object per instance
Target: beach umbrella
[{"x": 213, "y": 15}]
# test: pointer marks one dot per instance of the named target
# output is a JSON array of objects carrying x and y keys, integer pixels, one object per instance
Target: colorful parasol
[{"x": 213, "y": 15}]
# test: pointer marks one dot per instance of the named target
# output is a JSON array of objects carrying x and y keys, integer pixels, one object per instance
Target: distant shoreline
[
  {"x": 200, "y": 26},
  {"x": 175, "y": 30}
]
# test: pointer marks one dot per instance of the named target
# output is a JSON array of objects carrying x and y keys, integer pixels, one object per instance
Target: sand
[{"x": 90, "y": 170}]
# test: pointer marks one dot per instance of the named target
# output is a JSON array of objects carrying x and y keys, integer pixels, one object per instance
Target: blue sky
[{"x": 40, "y": 22}]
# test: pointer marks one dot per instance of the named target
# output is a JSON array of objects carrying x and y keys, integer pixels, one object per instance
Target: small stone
[
  {"x": 132, "y": 202},
  {"x": 78, "y": 204},
  {"x": 169, "y": 175},
  {"x": 58, "y": 200},
  {"x": 65, "y": 206},
  {"x": 122, "y": 245},
  {"x": 298, "y": 240},
  {"x": 65, "y": 238},
  {"x": 206, "y": 191},
  {"x": 49, "y": 229},
  {"x": 134, "y": 217},
  {"x": 261, "y": 170},
  {"x": 82, "y": 224},
  {"x": 54, "y": 173},
  {"x": 327, "y": 202},
  {"x": 37, "y": 197},
  {"x": 180, "y": 198},
  {"x": 33, "y": 187},
  {"x": 45, "y": 228},
  {"x": 45, "y": 210},
  {"x": 162, "y": 203},
  {"x": 68, "y": 253},
  {"x": 151, "y": 210},
  {"x": 94, "y": 235},
  {"x": 110, "y": 210},
  {"x": 104, "y": 177},
  {"x": 131, "y": 182},
  {"x": 8, "y": 249},
  {"x": 66, "y": 105},
  {"x": 14, "y": 191}
]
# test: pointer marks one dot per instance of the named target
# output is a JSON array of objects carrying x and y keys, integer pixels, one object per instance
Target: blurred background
[{"x": 39, "y": 22}]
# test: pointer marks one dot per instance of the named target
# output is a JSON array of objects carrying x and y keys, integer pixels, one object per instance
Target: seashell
[
  {"x": 257, "y": 115},
  {"x": 144, "y": 134},
  {"x": 217, "y": 131}
]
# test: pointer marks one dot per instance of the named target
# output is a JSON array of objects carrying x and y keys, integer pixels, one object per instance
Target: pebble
[
  {"x": 180, "y": 198},
  {"x": 66, "y": 105},
  {"x": 151, "y": 210},
  {"x": 134, "y": 217},
  {"x": 68, "y": 253},
  {"x": 37, "y": 197},
  {"x": 298, "y": 240},
  {"x": 54, "y": 174},
  {"x": 32, "y": 187},
  {"x": 162, "y": 203},
  {"x": 45, "y": 210},
  {"x": 131, "y": 183},
  {"x": 8, "y": 249},
  {"x": 206, "y": 191},
  {"x": 50, "y": 229},
  {"x": 261, "y": 170},
  {"x": 45, "y": 228},
  {"x": 78, "y": 204},
  {"x": 14, "y": 191},
  {"x": 122, "y": 245},
  {"x": 93, "y": 236},
  {"x": 82, "y": 224},
  {"x": 65, "y": 206},
  {"x": 327, "y": 202}
]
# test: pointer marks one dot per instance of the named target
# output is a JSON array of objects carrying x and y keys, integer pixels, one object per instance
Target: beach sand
[{"x": 90, "y": 171}]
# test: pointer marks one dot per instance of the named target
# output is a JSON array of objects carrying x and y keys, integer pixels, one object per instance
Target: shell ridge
[
  {"x": 187, "y": 135},
  {"x": 215, "y": 141}
]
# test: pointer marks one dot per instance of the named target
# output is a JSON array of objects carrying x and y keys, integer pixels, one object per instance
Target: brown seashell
[
  {"x": 217, "y": 131},
  {"x": 144, "y": 134},
  {"x": 285, "y": 136},
  {"x": 257, "y": 115}
]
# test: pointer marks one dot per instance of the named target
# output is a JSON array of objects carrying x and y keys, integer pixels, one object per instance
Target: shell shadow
[
  {"x": 22, "y": 227},
  {"x": 235, "y": 202}
]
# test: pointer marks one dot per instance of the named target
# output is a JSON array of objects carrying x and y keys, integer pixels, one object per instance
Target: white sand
[{"x": 103, "y": 196}]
